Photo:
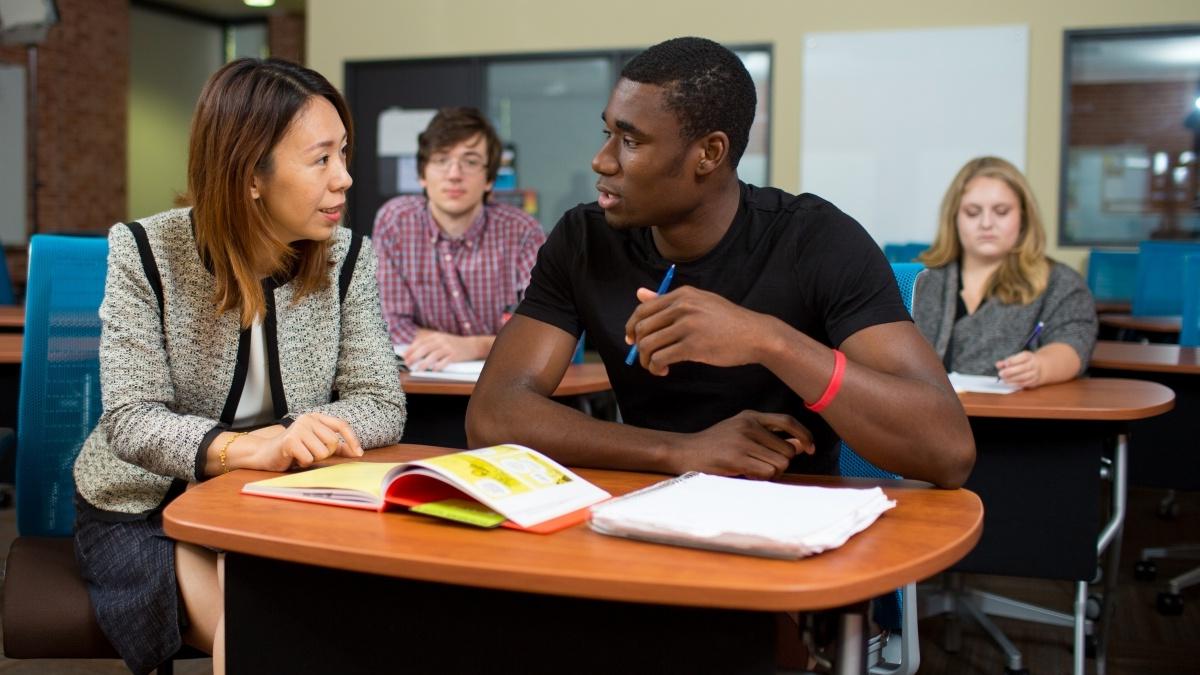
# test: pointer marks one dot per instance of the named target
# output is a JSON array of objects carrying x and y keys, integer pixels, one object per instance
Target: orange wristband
[{"x": 835, "y": 383}]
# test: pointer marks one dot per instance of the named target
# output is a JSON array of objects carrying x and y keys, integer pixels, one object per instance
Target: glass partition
[{"x": 1131, "y": 134}]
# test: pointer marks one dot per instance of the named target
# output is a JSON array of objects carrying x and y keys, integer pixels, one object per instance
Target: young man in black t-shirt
[{"x": 776, "y": 300}]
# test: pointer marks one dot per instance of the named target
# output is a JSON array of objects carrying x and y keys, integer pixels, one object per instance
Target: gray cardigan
[
  {"x": 996, "y": 329},
  {"x": 170, "y": 384}
]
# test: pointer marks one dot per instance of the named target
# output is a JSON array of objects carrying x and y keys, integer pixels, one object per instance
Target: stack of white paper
[
  {"x": 981, "y": 384},
  {"x": 743, "y": 516}
]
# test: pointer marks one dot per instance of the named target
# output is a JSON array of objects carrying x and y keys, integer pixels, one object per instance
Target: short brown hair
[
  {"x": 1025, "y": 272},
  {"x": 451, "y": 126},
  {"x": 244, "y": 110}
]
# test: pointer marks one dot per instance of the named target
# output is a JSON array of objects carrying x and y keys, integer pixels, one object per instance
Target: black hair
[{"x": 706, "y": 86}]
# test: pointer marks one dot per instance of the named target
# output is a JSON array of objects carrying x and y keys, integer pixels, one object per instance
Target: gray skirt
[{"x": 129, "y": 568}]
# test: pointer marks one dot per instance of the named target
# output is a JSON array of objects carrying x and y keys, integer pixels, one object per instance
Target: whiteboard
[{"x": 889, "y": 117}]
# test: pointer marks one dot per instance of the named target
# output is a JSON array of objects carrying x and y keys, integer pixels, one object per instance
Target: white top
[{"x": 255, "y": 407}]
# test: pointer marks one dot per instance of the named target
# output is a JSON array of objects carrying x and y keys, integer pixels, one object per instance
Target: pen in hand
[
  {"x": 1037, "y": 330},
  {"x": 662, "y": 288}
]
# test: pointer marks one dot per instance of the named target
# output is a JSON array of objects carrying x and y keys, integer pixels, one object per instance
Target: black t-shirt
[{"x": 794, "y": 257}]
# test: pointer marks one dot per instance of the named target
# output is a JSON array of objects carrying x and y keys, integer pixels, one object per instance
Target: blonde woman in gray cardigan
[
  {"x": 992, "y": 302},
  {"x": 244, "y": 332}
]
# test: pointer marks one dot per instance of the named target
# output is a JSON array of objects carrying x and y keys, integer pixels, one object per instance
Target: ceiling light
[{"x": 259, "y": 3}]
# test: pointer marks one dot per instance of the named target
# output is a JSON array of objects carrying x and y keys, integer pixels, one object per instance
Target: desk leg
[
  {"x": 1109, "y": 545},
  {"x": 851, "y": 657}
]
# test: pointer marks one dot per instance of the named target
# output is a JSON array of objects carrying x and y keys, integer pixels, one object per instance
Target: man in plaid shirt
[{"x": 450, "y": 263}]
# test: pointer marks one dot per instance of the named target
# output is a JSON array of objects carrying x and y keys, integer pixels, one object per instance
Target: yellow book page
[{"x": 365, "y": 477}]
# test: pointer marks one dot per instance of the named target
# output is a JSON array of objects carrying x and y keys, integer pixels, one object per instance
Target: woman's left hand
[{"x": 1023, "y": 369}]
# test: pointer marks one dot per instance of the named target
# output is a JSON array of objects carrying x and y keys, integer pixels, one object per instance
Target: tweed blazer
[
  {"x": 996, "y": 329},
  {"x": 170, "y": 382}
]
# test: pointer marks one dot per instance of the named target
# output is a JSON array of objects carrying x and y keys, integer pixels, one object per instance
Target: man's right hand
[{"x": 748, "y": 444}]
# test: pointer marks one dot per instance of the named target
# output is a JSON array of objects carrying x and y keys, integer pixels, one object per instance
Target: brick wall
[
  {"x": 1133, "y": 113},
  {"x": 285, "y": 36},
  {"x": 82, "y": 100}
]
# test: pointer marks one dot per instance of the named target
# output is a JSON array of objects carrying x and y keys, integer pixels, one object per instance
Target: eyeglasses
[{"x": 469, "y": 165}]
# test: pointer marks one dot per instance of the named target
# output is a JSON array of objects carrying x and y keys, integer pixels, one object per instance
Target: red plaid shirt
[{"x": 458, "y": 286}]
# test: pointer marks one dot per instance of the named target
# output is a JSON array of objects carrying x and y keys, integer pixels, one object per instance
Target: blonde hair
[
  {"x": 1025, "y": 271},
  {"x": 243, "y": 112}
]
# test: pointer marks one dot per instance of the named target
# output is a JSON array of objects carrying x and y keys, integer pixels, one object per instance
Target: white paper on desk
[
  {"x": 742, "y": 516},
  {"x": 980, "y": 384},
  {"x": 462, "y": 371}
]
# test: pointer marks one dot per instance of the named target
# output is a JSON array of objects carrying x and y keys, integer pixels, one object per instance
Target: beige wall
[
  {"x": 341, "y": 30},
  {"x": 169, "y": 60}
]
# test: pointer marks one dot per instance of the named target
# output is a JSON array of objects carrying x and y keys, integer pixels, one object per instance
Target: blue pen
[
  {"x": 662, "y": 288},
  {"x": 1037, "y": 330}
]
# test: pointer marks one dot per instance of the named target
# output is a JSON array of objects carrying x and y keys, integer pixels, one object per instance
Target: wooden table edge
[{"x": 500, "y": 577}]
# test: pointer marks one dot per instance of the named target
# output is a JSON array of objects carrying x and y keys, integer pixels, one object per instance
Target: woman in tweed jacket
[
  {"x": 992, "y": 303},
  {"x": 244, "y": 332}
]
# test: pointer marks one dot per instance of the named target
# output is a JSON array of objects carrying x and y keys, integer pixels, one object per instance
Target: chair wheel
[
  {"x": 1145, "y": 570},
  {"x": 1169, "y": 604}
]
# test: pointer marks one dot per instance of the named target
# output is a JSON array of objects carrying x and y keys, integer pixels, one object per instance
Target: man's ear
[{"x": 714, "y": 151}]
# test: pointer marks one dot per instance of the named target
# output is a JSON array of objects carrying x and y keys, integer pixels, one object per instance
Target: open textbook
[
  {"x": 462, "y": 371},
  {"x": 742, "y": 516},
  {"x": 507, "y": 485},
  {"x": 980, "y": 384}
]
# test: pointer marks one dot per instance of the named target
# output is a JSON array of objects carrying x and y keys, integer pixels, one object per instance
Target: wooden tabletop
[
  {"x": 928, "y": 531},
  {"x": 12, "y": 316},
  {"x": 1113, "y": 306},
  {"x": 1158, "y": 358},
  {"x": 1148, "y": 324},
  {"x": 1092, "y": 398},
  {"x": 580, "y": 378},
  {"x": 10, "y": 347}
]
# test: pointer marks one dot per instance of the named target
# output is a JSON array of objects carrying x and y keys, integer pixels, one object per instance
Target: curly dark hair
[{"x": 706, "y": 85}]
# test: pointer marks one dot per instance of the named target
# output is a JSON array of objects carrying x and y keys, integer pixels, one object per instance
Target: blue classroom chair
[
  {"x": 1170, "y": 601},
  {"x": 898, "y": 612},
  {"x": 1159, "y": 287},
  {"x": 59, "y": 405},
  {"x": 1112, "y": 275},
  {"x": 903, "y": 253},
  {"x": 1189, "y": 334}
]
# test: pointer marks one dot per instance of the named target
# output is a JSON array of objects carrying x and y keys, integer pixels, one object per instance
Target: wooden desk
[
  {"x": 580, "y": 378},
  {"x": 1102, "y": 399},
  {"x": 1163, "y": 447},
  {"x": 11, "y": 345},
  {"x": 1113, "y": 307},
  {"x": 437, "y": 409},
  {"x": 1142, "y": 358},
  {"x": 1144, "y": 324},
  {"x": 12, "y": 317},
  {"x": 1038, "y": 464},
  {"x": 578, "y": 572}
]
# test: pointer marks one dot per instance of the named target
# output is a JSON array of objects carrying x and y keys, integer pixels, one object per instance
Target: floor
[{"x": 1142, "y": 642}]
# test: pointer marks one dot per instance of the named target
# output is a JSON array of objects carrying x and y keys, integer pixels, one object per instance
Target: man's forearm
[{"x": 908, "y": 423}]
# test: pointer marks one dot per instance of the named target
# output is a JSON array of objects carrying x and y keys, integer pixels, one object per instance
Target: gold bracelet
[{"x": 225, "y": 447}]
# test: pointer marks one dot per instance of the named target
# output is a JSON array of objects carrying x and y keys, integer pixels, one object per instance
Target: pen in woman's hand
[{"x": 1037, "y": 330}]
